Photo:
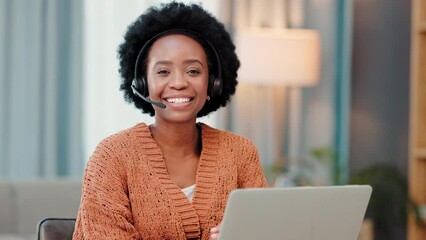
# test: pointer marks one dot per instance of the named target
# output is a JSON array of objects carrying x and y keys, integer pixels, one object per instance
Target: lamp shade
[{"x": 282, "y": 56}]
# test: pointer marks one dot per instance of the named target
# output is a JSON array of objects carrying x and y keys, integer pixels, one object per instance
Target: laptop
[{"x": 296, "y": 213}]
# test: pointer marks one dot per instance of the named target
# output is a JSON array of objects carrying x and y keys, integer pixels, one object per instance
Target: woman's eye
[
  {"x": 193, "y": 71},
  {"x": 162, "y": 72}
]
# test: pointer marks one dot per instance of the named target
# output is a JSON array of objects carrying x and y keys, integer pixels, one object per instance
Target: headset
[{"x": 140, "y": 85}]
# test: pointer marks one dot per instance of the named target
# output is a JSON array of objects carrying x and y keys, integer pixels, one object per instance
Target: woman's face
[{"x": 177, "y": 75}]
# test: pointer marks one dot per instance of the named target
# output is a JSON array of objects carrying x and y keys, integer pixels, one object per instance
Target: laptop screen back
[{"x": 298, "y": 213}]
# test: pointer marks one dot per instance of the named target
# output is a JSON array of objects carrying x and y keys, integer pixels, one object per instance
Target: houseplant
[{"x": 389, "y": 202}]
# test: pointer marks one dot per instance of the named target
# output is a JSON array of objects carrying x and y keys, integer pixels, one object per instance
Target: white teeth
[{"x": 178, "y": 100}]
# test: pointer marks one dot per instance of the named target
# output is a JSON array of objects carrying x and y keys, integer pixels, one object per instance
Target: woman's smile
[{"x": 178, "y": 100}]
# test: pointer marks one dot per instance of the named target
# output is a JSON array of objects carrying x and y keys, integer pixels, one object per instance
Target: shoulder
[
  {"x": 110, "y": 156},
  {"x": 124, "y": 137},
  {"x": 117, "y": 144}
]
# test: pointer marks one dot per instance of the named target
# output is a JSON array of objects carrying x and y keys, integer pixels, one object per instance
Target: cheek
[
  {"x": 154, "y": 85},
  {"x": 204, "y": 86},
  {"x": 151, "y": 87}
]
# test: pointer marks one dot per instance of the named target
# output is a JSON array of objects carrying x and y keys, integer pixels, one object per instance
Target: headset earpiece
[
  {"x": 215, "y": 86},
  {"x": 140, "y": 85}
]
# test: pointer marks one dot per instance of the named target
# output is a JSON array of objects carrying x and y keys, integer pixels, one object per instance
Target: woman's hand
[{"x": 214, "y": 232}]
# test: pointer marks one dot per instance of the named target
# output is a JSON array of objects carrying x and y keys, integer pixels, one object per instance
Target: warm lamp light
[{"x": 271, "y": 56}]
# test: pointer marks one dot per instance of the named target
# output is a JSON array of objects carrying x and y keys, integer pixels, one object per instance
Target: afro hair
[{"x": 171, "y": 16}]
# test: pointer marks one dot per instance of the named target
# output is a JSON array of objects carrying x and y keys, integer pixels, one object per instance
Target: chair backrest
[{"x": 55, "y": 228}]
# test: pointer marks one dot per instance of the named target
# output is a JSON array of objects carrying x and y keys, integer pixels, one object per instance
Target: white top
[{"x": 189, "y": 192}]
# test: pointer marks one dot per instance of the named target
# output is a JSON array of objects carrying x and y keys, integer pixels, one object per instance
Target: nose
[{"x": 178, "y": 81}]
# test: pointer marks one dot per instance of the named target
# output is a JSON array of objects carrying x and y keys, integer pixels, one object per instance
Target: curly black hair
[{"x": 176, "y": 15}]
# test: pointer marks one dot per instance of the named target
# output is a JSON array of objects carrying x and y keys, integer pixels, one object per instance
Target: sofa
[{"x": 25, "y": 203}]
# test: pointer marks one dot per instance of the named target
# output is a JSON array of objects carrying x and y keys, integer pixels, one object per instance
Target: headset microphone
[{"x": 158, "y": 104}]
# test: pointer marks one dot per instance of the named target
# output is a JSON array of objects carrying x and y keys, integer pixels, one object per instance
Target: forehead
[{"x": 176, "y": 42}]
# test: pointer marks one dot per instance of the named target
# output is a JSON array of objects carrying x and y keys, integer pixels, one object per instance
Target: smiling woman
[{"x": 170, "y": 179}]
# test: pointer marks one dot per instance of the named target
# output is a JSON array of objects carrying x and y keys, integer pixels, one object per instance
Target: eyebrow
[
  {"x": 188, "y": 61},
  {"x": 193, "y": 61}
]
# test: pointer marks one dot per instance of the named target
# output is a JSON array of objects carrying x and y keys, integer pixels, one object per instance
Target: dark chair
[{"x": 55, "y": 228}]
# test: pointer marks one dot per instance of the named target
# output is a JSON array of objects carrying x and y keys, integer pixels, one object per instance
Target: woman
[{"x": 169, "y": 180}]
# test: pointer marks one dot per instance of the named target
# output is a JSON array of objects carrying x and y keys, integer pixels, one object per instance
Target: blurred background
[{"x": 331, "y": 109}]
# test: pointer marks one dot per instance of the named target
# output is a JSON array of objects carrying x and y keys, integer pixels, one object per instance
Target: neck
[{"x": 181, "y": 138}]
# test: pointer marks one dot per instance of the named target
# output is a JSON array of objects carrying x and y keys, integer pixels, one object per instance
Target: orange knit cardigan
[{"x": 128, "y": 194}]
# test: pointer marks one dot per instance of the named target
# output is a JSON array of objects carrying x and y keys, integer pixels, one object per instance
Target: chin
[{"x": 180, "y": 117}]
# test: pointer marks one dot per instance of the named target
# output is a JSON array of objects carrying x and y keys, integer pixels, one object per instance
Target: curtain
[
  {"x": 326, "y": 107},
  {"x": 40, "y": 84}
]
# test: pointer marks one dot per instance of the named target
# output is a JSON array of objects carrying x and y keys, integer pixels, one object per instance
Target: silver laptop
[{"x": 297, "y": 213}]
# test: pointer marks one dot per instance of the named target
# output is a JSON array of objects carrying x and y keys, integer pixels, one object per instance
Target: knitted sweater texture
[{"x": 128, "y": 193}]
